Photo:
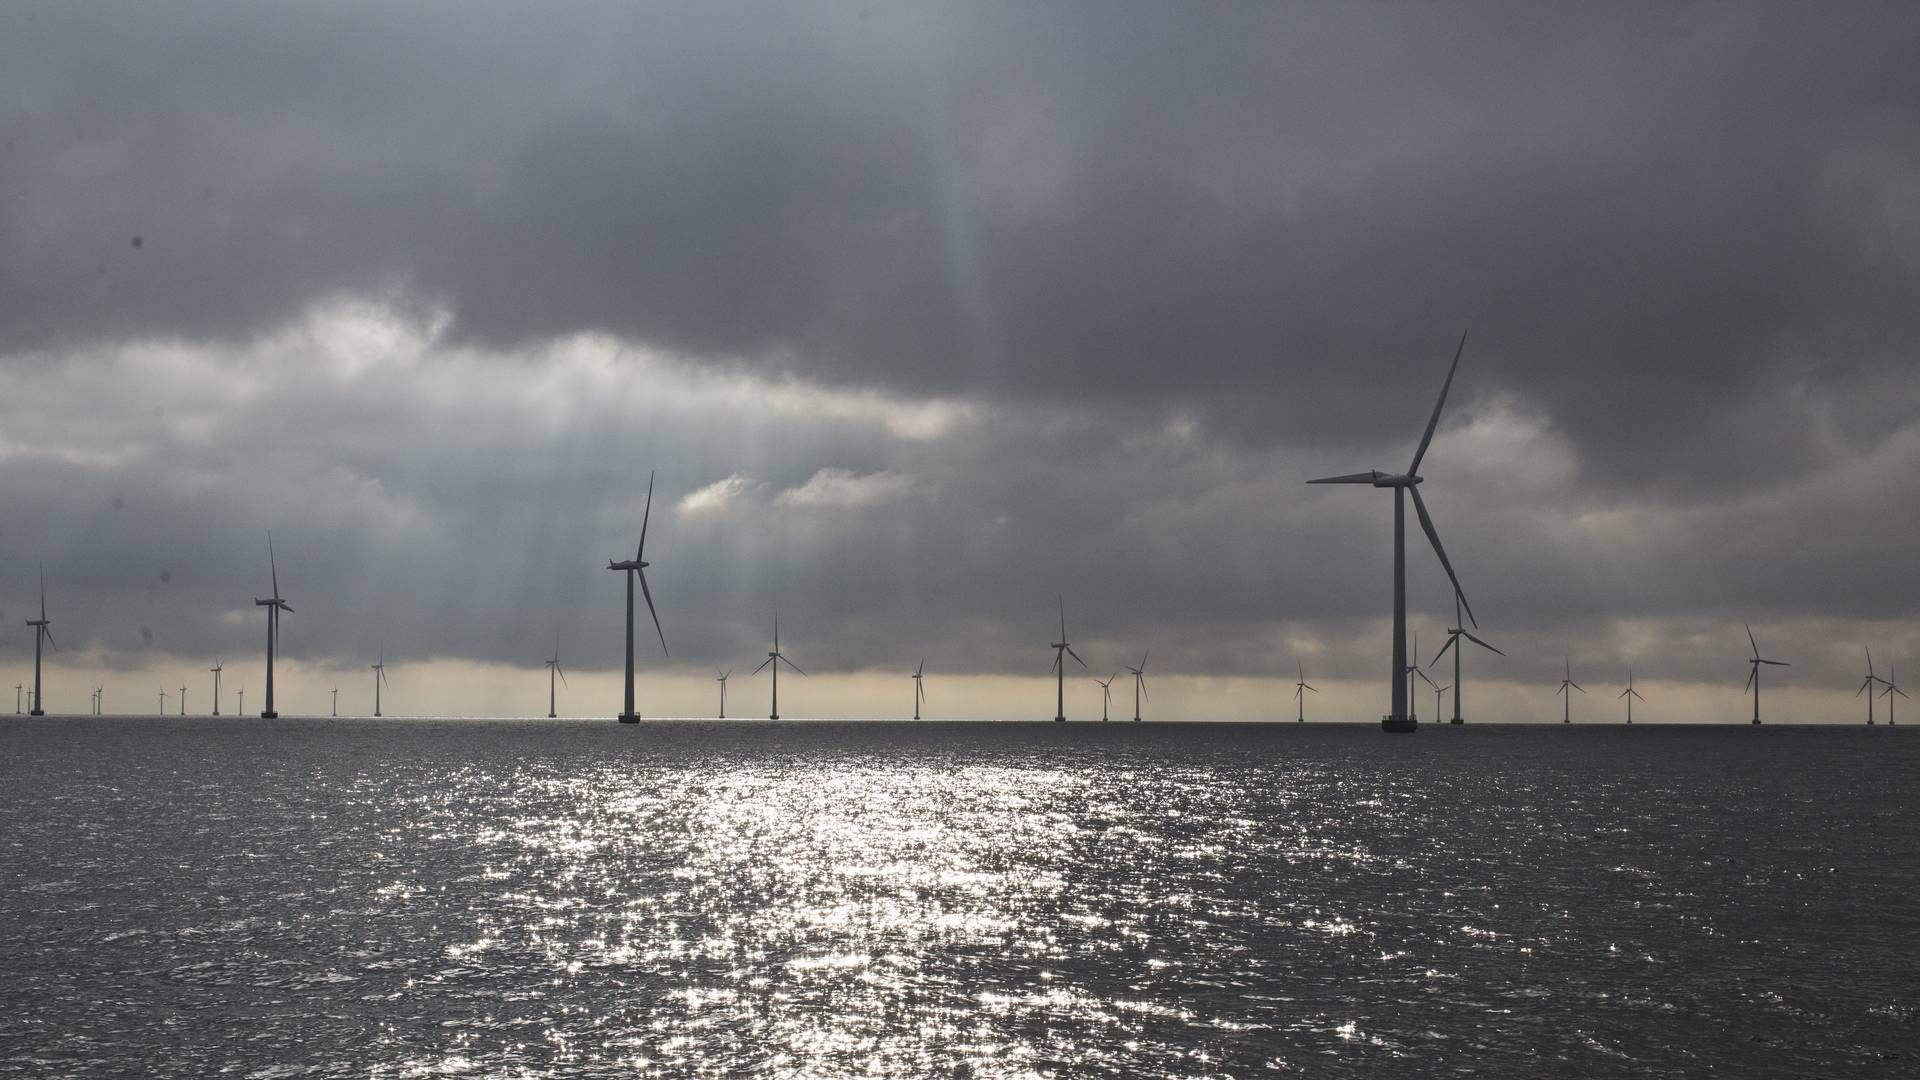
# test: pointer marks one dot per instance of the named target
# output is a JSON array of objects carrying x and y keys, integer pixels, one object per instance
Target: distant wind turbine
[
  {"x": 1062, "y": 650},
  {"x": 217, "y": 669},
  {"x": 1753, "y": 677},
  {"x": 336, "y": 701},
  {"x": 379, "y": 676},
  {"x": 1566, "y": 713},
  {"x": 274, "y": 605},
  {"x": 637, "y": 566},
  {"x": 1139, "y": 683},
  {"x": 722, "y": 680},
  {"x": 1866, "y": 687},
  {"x": 1414, "y": 671},
  {"x": 1402, "y": 718},
  {"x": 1630, "y": 694},
  {"x": 553, "y": 669},
  {"x": 241, "y": 694},
  {"x": 1892, "y": 689},
  {"x": 42, "y": 631},
  {"x": 1300, "y": 691},
  {"x": 99, "y": 700},
  {"x": 1454, "y": 634},
  {"x": 163, "y": 701},
  {"x": 183, "y": 701},
  {"x": 1106, "y": 690},
  {"x": 774, "y": 660},
  {"x": 1437, "y": 691},
  {"x": 919, "y": 688},
  {"x": 17, "y": 688}
]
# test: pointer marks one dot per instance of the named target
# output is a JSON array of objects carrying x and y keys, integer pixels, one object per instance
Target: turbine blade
[
  {"x": 1426, "y": 523},
  {"x": 272, "y": 566},
  {"x": 1424, "y": 679},
  {"x": 1350, "y": 478},
  {"x": 1063, "y": 617},
  {"x": 1443, "y": 651},
  {"x": 1576, "y": 686},
  {"x": 1075, "y": 655},
  {"x": 1777, "y": 663},
  {"x": 1899, "y": 691},
  {"x": 1751, "y": 675},
  {"x": 1750, "y": 641},
  {"x": 763, "y": 664},
  {"x": 1434, "y": 420},
  {"x": 645, "y": 515},
  {"x": 560, "y": 671},
  {"x": 1622, "y": 694},
  {"x": 1863, "y": 688},
  {"x": 1482, "y": 644},
  {"x": 648, "y": 593},
  {"x": 1314, "y": 690},
  {"x": 791, "y": 664}
]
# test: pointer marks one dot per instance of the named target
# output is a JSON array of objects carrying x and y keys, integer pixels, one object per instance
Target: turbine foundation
[{"x": 1399, "y": 725}]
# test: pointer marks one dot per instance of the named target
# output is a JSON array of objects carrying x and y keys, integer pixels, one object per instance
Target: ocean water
[{"x": 444, "y": 898}]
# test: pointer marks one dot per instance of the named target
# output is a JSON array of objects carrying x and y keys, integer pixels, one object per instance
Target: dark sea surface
[{"x": 443, "y": 898}]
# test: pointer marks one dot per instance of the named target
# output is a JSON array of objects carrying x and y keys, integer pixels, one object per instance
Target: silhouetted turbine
[
  {"x": 1139, "y": 683},
  {"x": 553, "y": 669},
  {"x": 379, "y": 677},
  {"x": 183, "y": 701},
  {"x": 1454, "y": 634},
  {"x": 217, "y": 669},
  {"x": 1413, "y": 671},
  {"x": 1300, "y": 690},
  {"x": 1401, "y": 718},
  {"x": 1866, "y": 687},
  {"x": 1630, "y": 693},
  {"x": 637, "y": 566},
  {"x": 1753, "y": 677},
  {"x": 1566, "y": 712},
  {"x": 1062, "y": 650},
  {"x": 1106, "y": 691},
  {"x": 1892, "y": 689},
  {"x": 336, "y": 701},
  {"x": 274, "y": 604},
  {"x": 722, "y": 680},
  {"x": 919, "y": 690},
  {"x": 42, "y": 631},
  {"x": 775, "y": 659},
  {"x": 1437, "y": 691}
]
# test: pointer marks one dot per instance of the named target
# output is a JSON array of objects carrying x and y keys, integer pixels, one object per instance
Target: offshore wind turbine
[
  {"x": 163, "y": 701},
  {"x": 1866, "y": 687},
  {"x": 1062, "y": 650},
  {"x": 241, "y": 694},
  {"x": 632, "y": 567},
  {"x": 379, "y": 676},
  {"x": 42, "y": 631},
  {"x": 1401, "y": 717},
  {"x": 1413, "y": 671},
  {"x": 1566, "y": 712},
  {"x": 1630, "y": 693},
  {"x": 336, "y": 701},
  {"x": 1892, "y": 689},
  {"x": 217, "y": 669},
  {"x": 274, "y": 605},
  {"x": 17, "y": 687},
  {"x": 919, "y": 690},
  {"x": 775, "y": 659},
  {"x": 1753, "y": 677},
  {"x": 1139, "y": 682},
  {"x": 1300, "y": 690},
  {"x": 1106, "y": 690},
  {"x": 1454, "y": 634},
  {"x": 553, "y": 669},
  {"x": 183, "y": 701},
  {"x": 722, "y": 680},
  {"x": 1437, "y": 691},
  {"x": 99, "y": 699}
]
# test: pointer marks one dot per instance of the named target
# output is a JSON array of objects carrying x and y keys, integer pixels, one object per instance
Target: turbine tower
[
  {"x": 1630, "y": 693},
  {"x": 336, "y": 701},
  {"x": 553, "y": 669},
  {"x": 919, "y": 690},
  {"x": 1139, "y": 683},
  {"x": 1437, "y": 691},
  {"x": 1401, "y": 718},
  {"x": 1892, "y": 689},
  {"x": 274, "y": 605},
  {"x": 163, "y": 701},
  {"x": 183, "y": 701},
  {"x": 1106, "y": 690},
  {"x": 241, "y": 694},
  {"x": 722, "y": 680},
  {"x": 1062, "y": 650},
  {"x": 42, "y": 631},
  {"x": 1414, "y": 671},
  {"x": 1753, "y": 677},
  {"x": 99, "y": 699},
  {"x": 775, "y": 659},
  {"x": 1454, "y": 634},
  {"x": 1566, "y": 712},
  {"x": 217, "y": 669},
  {"x": 379, "y": 676},
  {"x": 1300, "y": 690},
  {"x": 1866, "y": 687},
  {"x": 17, "y": 688},
  {"x": 638, "y": 566}
]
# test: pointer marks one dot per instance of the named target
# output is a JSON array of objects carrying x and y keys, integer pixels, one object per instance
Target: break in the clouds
[{"x": 926, "y": 313}]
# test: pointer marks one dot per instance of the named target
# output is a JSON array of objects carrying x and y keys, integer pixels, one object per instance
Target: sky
[{"x": 922, "y": 316}]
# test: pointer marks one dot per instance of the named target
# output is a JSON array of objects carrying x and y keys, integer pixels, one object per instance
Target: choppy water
[{"x": 406, "y": 898}]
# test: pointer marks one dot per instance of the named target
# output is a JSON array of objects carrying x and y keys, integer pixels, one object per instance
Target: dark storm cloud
[{"x": 1654, "y": 219}]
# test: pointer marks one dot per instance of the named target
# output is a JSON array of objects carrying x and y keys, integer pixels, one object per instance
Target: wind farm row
[{"x": 1406, "y": 670}]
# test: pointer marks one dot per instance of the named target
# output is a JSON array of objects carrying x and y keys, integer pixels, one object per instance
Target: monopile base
[
  {"x": 269, "y": 716},
  {"x": 1399, "y": 725},
  {"x": 629, "y": 718},
  {"x": 1456, "y": 720},
  {"x": 36, "y": 712}
]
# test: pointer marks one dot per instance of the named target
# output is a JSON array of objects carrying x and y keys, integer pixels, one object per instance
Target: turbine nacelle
[{"x": 629, "y": 564}]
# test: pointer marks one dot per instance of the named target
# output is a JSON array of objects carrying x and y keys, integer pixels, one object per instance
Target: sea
[{"x": 428, "y": 898}]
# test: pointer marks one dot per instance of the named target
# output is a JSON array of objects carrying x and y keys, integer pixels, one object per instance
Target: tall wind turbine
[
  {"x": 1866, "y": 687},
  {"x": 1300, "y": 690},
  {"x": 1753, "y": 677},
  {"x": 775, "y": 659},
  {"x": 17, "y": 687},
  {"x": 163, "y": 701},
  {"x": 1401, "y": 718},
  {"x": 1454, "y": 634},
  {"x": 379, "y": 676},
  {"x": 638, "y": 566},
  {"x": 217, "y": 669},
  {"x": 1566, "y": 711},
  {"x": 1630, "y": 693},
  {"x": 183, "y": 701},
  {"x": 1139, "y": 683},
  {"x": 336, "y": 701},
  {"x": 42, "y": 631},
  {"x": 1437, "y": 691},
  {"x": 1414, "y": 671},
  {"x": 919, "y": 690},
  {"x": 553, "y": 669},
  {"x": 722, "y": 680},
  {"x": 99, "y": 699},
  {"x": 1062, "y": 650},
  {"x": 241, "y": 694},
  {"x": 274, "y": 605},
  {"x": 1106, "y": 690},
  {"x": 1892, "y": 689}
]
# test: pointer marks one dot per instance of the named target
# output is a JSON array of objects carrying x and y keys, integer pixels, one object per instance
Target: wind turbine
[
  {"x": 638, "y": 566},
  {"x": 163, "y": 701},
  {"x": 1753, "y": 677},
  {"x": 1401, "y": 718},
  {"x": 217, "y": 669},
  {"x": 274, "y": 605},
  {"x": 1454, "y": 634},
  {"x": 1062, "y": 650},
  {"x": 379, "y": 676},
  {"x": 722, "y": 680},
  {"x": 99, "y": 699},
  {"x": 1139, "y": 683},
  {"x": 42, "y": 630},
  {"x": 1892, "y": 689},
  {"x": 336, "y": 701},
  {"x": 17, "y": 687},
  {"x": 1437, "y": 691},
  {"x": 1413, "y": 670},
  {"x": 919, "y": 690},
  {"x": 1566, "y": 713},
  {"x": 1106, "y": 689},
  {"x": 1630, "y": 693},
  {"x": 242, "y": 695},
  {"x": 775, "y": 659},
  {"x": 1300, "y": 690},
  {"x": 553, "y": 669},
  {"x": 183, "y": 701},
  {"x": 1866, "y": 687}
]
